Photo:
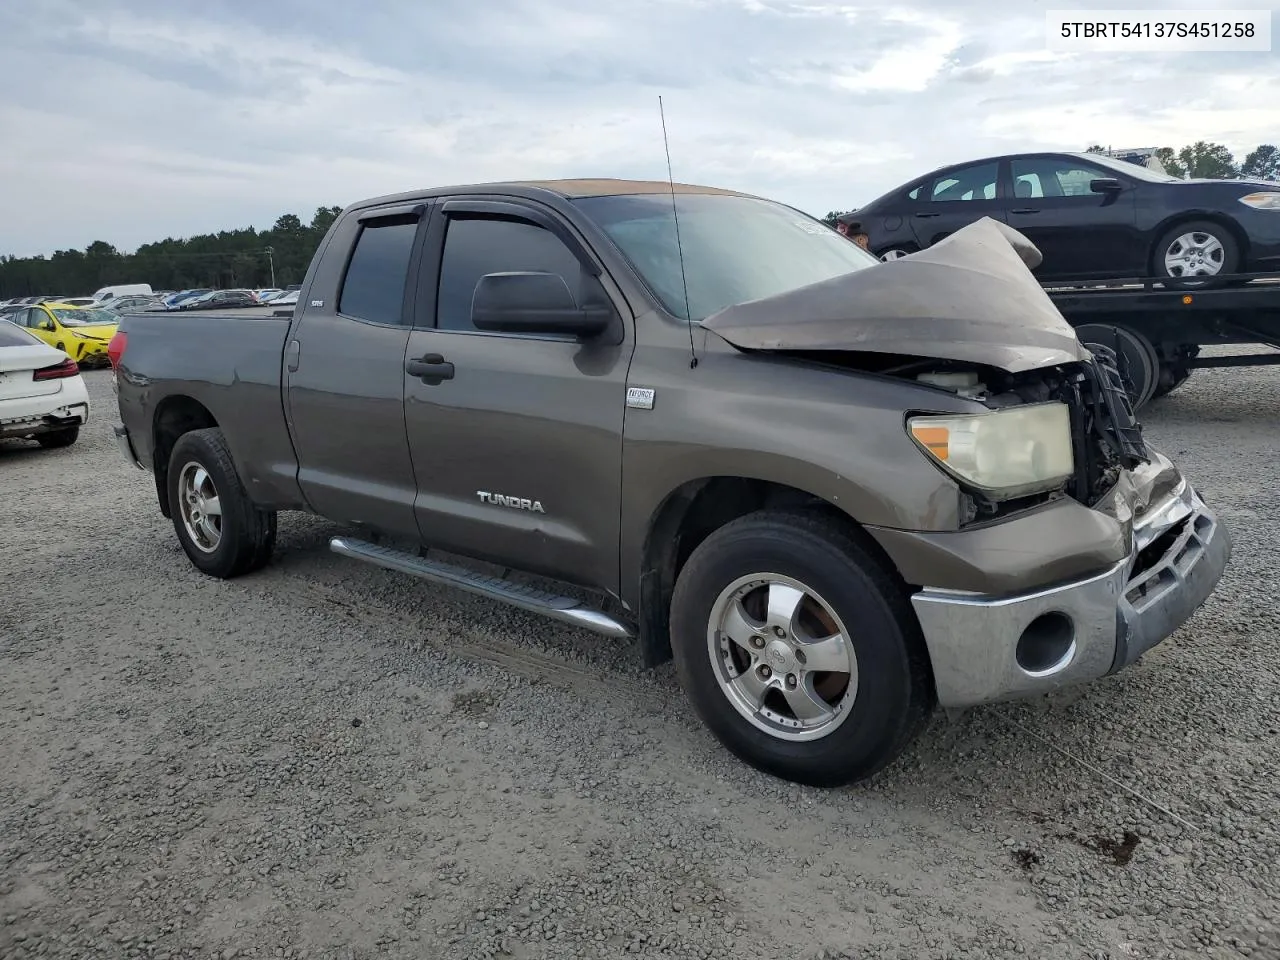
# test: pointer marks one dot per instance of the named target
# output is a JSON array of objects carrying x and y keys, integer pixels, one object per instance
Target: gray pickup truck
[{"x": 839, "y": 492}]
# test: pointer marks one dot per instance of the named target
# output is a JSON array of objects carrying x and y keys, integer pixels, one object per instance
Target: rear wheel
[
  {"x": 1193, "y": 254},
  {"x": 896, "y": 253},
  {"x": 1139, "y": 362},
  {"x": 221, "y": 531},
  {"x": 58, "y": 438},
  {"x": 799, "y": 649}
]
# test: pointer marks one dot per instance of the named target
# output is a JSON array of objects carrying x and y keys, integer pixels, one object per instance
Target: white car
[{"x": 42, "y": 395}]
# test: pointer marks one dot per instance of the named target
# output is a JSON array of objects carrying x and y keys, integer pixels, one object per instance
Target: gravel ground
[{"x": 329, "y": 760}]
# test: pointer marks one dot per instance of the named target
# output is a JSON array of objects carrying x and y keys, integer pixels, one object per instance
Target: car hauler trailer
[{"x": 1159, "y": 330}]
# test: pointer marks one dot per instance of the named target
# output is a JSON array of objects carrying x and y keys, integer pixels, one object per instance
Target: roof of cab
[{"x": 568, "y": 189}]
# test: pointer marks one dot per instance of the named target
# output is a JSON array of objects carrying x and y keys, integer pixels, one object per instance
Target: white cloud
[{"x": 170, "y": 118}]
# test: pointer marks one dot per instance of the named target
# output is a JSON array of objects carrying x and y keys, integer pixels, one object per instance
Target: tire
[
  {"x": 245, "y": 536},
  {"x": 1138, "y": 354},
  {"x": 58, "y": 438},
  {"x": 895, "y": 253},
  {"x": 894, "y": 695},
  {"x": 1171, "y": 378},
  {"x": 1219, "y": 253}
]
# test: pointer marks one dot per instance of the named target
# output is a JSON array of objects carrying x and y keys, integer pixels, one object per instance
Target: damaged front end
[
  {"x": 965, "y": 315},
  {"x": 1066, "y": 565}
]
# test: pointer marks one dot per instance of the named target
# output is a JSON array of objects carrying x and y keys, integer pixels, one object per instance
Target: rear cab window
[{"x": 374, "y": 285}]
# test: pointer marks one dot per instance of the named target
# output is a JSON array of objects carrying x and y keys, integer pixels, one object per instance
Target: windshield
[
  {"x": 85, "y": 317},
  {"x": 1128, "y": 169},
  {"x": 735, "y": 248}
]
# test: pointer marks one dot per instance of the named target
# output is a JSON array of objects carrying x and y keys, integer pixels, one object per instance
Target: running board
[{"x": 564, "y": 609}]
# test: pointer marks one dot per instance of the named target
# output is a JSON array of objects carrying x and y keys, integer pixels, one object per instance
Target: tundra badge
[{"x": 518, "y": 503}]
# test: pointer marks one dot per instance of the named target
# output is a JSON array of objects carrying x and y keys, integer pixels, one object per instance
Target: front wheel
[
  {"x": 221, "y": 531},
  {"x": 799, "y": 649}
]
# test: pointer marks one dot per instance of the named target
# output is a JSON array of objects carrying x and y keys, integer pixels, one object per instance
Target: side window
[
  {"x": 475, "y": 247},
  {"x": 977, "y": 182},
  {"x": 915, "y": 194},
  {"x": 1049, "y": 177},
  {"x": 373, "y": 288}
]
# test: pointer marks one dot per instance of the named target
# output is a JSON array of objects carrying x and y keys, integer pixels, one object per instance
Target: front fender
[{"x": 836, "y": 435}]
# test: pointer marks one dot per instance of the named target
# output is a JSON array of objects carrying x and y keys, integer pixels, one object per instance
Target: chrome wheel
[
  {"x": 1194, "y": 254},
  {"x": 200, "y": 507},
  {"x": 894, "y": 254},
  {"x": 782, "y": 657}
]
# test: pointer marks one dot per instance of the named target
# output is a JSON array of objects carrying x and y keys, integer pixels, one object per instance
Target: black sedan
[{"x": 1093, "y": 218}]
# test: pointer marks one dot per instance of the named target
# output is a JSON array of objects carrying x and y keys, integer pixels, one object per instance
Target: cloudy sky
[{"x": 133, "y": 120}]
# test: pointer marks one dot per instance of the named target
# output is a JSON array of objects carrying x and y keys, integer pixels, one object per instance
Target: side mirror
[
  {"x": 529, "y": 301},
  {"x": 1105, "y": 185}
]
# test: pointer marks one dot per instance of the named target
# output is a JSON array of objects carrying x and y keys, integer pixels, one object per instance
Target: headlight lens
[
  {"x": 1006, "y": 453},
  {"x": 1266, "y": 200}
]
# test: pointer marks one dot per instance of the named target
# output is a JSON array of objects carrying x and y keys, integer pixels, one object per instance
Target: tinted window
[
  {"x": 374, "y": 286},
  {"x": 1049, "y": 177},
  {"x": 977, "y": 182},
  {"x": 473, "y": 248}
]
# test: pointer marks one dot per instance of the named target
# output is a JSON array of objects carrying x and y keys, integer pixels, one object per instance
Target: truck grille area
[{"x": 1107, "y": 437}]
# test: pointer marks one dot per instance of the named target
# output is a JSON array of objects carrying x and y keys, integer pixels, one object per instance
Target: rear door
[
  {"x": 956, "y": 199},
  {"x": 517, "y": 442},
  {"x": 1080, "y": 233},
  {"x": 344, "y": 373}
]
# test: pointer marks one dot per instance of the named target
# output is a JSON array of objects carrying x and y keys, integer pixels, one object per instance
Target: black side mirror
[
  {"x": 1105, "y": 185},
  {"x": 529, "y": 301}
]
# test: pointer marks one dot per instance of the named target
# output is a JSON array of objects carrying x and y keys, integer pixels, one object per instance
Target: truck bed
[{"x": 169, "y": 353}]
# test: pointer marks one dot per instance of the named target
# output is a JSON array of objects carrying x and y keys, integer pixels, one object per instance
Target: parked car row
[{"x": 140, "y": 301}]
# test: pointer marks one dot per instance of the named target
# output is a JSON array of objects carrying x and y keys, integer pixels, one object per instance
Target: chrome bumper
[
  {"x": 986, "y": 649},
  {"x": 126, "y": 445}
]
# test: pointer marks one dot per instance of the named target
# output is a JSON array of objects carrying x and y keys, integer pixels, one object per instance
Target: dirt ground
[{"x": 330, "y": 760}]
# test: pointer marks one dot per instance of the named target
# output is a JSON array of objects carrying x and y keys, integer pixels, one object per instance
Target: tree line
[
  {"x": 1200, "y": 160},
  {"x": 248, "y": 257},
  {"x": 229, "y": 258}
]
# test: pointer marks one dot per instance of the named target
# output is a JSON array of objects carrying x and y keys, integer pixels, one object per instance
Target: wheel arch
[
  {"x": 692, "y": 512},
  {"x": 175, "y": 415},
  {"x": 1190, "y": 216}
]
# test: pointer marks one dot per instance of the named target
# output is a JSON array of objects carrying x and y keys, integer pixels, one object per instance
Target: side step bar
[{"x": 563, "y": 609}]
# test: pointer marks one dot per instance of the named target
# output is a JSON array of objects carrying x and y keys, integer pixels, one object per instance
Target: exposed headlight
[
  {"x": 1005, "y": 453},
  {"x": 1266, "y": 200}
]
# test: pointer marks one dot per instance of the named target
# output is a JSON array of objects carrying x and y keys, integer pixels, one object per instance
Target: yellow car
[{"x": 80, "y": 332}]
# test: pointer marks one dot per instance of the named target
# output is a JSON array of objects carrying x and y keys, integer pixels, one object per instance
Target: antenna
[{"x": 684, "y": 280}]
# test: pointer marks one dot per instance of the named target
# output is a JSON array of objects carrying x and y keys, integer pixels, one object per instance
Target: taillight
[
  {"x": 115, "y": 349},
  {"x": 68, "y": 368}
]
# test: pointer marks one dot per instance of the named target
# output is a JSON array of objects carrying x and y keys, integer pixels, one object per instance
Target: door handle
[
  {"x": 431, "y": 369},
  {"x": 1024, "y": 210},
  {"x": 291, "y": 356},
  {"x": 925, "y": 216}
]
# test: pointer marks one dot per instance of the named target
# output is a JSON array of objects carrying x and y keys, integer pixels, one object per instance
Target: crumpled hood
[{"x": 970, "y": 297}]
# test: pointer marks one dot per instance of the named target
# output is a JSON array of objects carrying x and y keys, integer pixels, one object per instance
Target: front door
[
  {"x": 516, "y": 440},
  {"x": 1078, "y": 232},
  {"x": 957, "y": 199},
  {"x": 344, "y": 369}
]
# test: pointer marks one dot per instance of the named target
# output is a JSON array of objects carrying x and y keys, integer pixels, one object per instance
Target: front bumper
[{"x": 986, "y": 649}]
